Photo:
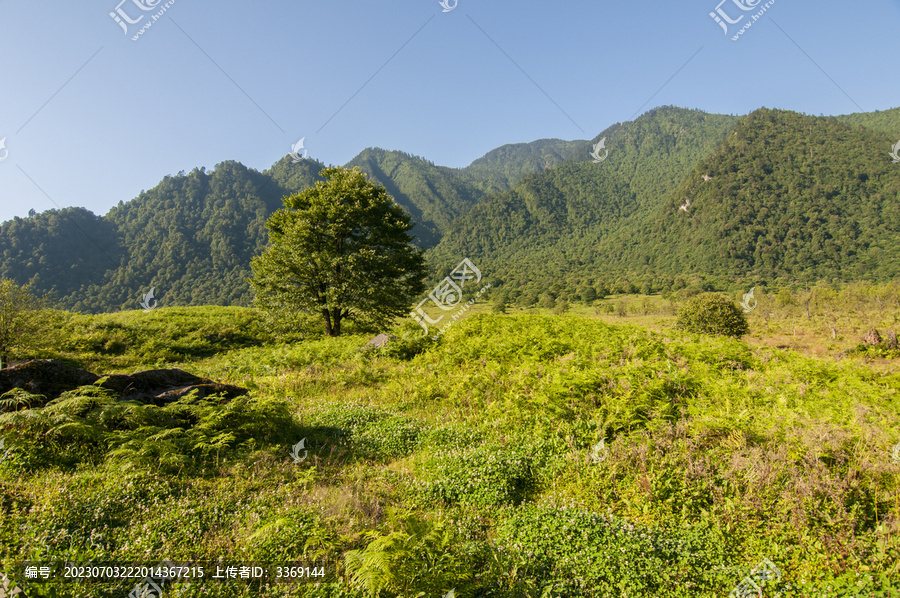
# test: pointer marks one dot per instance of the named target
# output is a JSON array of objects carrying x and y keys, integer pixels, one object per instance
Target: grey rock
[{"x": 380, "y": 340}]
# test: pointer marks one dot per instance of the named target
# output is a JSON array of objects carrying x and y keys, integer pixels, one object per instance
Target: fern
[
  {"x": 17, "y": 398},
  {"x": 421, "y": 556}
]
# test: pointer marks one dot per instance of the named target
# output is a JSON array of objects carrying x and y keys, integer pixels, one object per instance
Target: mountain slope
[
  {"x": 550, "y": 224},
  {"x": 58, "y": 250},
  {"x": 790, "y": 196},
  {"x": 191, "y": 238},
  {"x": 434, "y": 195},
  {"x": 886, "y": 121},
  {"x": 773, "y": 195},
  {"x": 782, "y": 196},
  {"x": 503, "y": 167}
]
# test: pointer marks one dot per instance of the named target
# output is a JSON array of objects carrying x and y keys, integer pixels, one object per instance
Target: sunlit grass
[{"x": 722, "y": 451}]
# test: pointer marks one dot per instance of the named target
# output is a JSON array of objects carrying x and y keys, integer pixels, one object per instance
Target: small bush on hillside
[
  {"x": 527, "y": 299},
  {"x": 485, "y": 476},
  {"x": 297, "y": 534},
  {"x": 410, "y": 341},
  {"x": 579, "y": 553},
  {"x": 389, "y": 438},
  {"x": 547, "y": 301},
  {"x": 712, "y": 313},
  {"x": 587, "y": 294},
  {"x": 785, "y": 298},
  {"x": 371, "y": 432}
]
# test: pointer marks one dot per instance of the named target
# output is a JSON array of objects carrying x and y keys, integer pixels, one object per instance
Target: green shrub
[
  {"x": 527, "y": 299},
  {"x": 295, "y": 535},
  {"x": 410, "y": 341},
  {"x": 578, "y": 553},
  {"x": 587, "y": 294},
  {"x": 785, "y": 298},
  {"x": 389, "y": 438},
  {"x": 89, "y": 424},
  {"x": 561, "y": 308},
  {"x": 713, "y": 313},
  {"x": 372, "y": 433},
  {"x": 484, "y": 476}
]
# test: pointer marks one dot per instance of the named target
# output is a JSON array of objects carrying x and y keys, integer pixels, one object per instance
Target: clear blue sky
[{"x": 91, "y": 117}]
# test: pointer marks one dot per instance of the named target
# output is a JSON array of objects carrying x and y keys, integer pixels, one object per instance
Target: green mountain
[
  {"x": 191, "y": 237},
  {"x": 774, "y": 195},
  {"x": 59, "y": 250},
  {"x": 787, "y": 197},
  {"x": 558, "y": 227},
  {"x": 886, "y": 121},
  {"x": 435, "y": 196},
  {"x": 501, "y": 168}
]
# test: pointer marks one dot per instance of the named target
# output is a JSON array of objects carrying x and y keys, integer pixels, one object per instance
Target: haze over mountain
[{"x": 773, "y": 195}]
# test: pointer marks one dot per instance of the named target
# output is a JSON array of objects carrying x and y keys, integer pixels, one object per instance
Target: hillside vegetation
[
  {"x": 772, "y": 196},
  {"x": 781, "y": 197},
  {"x": 473, "y": 463},
  {"x": 192, "y": 236}
]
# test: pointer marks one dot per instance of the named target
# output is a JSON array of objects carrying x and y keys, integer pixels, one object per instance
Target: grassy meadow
[{"x": 474, "y": 462}]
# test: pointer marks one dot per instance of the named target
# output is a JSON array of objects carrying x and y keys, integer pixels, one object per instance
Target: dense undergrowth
[{"x": 469, "y": 463}]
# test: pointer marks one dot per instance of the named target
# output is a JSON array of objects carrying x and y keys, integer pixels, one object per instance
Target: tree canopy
[{"x": 340, "y": 249}]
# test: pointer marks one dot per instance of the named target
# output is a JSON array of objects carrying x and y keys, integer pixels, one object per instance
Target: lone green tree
[
  {"x": 340, "y": 249},
  {"x": 21, "y": 319}
]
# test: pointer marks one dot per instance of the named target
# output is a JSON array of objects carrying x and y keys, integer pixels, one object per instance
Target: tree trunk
[
  {"x": 332, "y": 322},
  {"x": 4, "y": 360},
  {"x": 327, "y": 317}
]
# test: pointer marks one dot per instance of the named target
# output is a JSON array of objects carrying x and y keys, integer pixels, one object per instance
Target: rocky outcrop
[
  {"x": 165, "y": 386},
  {"x": 47, "y": 377},
  {"x": 51, "y": 378}
]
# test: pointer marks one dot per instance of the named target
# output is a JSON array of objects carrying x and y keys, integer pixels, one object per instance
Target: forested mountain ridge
[
  {"x": 555, "y": 224},
  {"x": 59, "y": 250},
  {"x": 501, "y": 168},
  {"x": 886, "y": 121},
  {"x": 786, "y": 196},
  {"x": 192, "y": 236},
  {"x": 772, "y": 194},
  {"x": 783, "y": 197},
  {"x": 433, "y": 195}
]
